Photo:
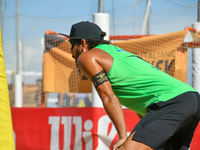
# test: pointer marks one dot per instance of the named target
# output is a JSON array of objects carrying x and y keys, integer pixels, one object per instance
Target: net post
[
  {"x": 18, "y": 91},
  {"x": 103, "y": 21}
]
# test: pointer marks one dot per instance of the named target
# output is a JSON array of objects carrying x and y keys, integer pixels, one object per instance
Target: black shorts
[{"x": 171, "y": 124}]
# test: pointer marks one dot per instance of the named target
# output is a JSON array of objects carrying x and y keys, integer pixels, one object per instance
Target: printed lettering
[
  {"x": 105, "y": 130},
  {"x": 87, "y": 135},
  {"x": 157, "y": 54},
  {"x": 55, "y": 125},
  {"x": 66, "y": 121},
  {"x": 167, "y": 67},
  {"x": 158, "y": 63},
  {"x": 77, "y": 121}
]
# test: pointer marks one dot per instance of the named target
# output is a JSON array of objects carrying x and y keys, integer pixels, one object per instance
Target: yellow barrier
[{"x": 6, "y": 128}]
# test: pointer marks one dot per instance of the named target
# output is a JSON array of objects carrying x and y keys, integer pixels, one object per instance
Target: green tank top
[{"x": 137, "y": 83}]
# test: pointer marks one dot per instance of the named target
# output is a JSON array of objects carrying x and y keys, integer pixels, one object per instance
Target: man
[{"x": 170, "y": 108}]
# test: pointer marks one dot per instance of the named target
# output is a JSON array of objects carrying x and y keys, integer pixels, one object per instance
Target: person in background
[
  {"x": 83, "y": 100},
  {"x": 61, "y": 97},
  {"x": 11, "y": 94},
  {"x": 67, "y": 99},
  {"x": 38, "y": 95}
]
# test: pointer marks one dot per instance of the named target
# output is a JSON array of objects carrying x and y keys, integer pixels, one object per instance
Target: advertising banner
[
  {"x": 66, "y": 128},
  {"x": 70, "y": 128}
]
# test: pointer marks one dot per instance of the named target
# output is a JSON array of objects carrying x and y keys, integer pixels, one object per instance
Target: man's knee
[
  {"x": 134, "y": 145},
  {"x": 122, "y": 148},
  {"x": 130, "y": 144}
]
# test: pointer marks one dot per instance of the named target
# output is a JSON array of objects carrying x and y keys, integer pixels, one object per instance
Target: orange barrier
[{"x": 168, "y": 52}]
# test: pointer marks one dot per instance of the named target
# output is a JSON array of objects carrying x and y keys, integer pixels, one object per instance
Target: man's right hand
[{"x": 118, "y": 144}]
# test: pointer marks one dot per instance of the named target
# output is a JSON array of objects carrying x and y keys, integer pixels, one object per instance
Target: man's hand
[{"x": 118, "y": 144}]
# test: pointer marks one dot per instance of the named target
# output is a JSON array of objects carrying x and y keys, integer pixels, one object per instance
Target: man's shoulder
[
  {"x": 92, "y": 55},
  {"x": 87, "y": 56}
]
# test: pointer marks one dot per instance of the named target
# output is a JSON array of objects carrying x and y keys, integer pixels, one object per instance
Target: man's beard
[{"x": 79, "y": 71}]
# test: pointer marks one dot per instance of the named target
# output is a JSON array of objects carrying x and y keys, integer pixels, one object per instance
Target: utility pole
[
  {"x": 198, "y": 15},
  {"x": 18, "y": 78},
  {"x": 101, "y": 6},
  {"x": 148, "y": 22},
  {"x": 17, "y": 36},
  {"x": 146, "y": 18}
]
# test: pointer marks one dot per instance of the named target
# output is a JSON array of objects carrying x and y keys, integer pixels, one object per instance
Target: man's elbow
[
  {"x": 140, "y": 116},
  {"x": 107, "y": 100}
]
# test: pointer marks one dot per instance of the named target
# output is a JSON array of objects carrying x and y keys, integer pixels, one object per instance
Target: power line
[
  {"x": 113, "y": 17},
  {"x": 178, "y": 4}
]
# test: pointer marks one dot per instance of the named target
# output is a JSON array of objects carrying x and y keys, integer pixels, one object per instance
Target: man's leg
[
  {"x": 162, "y": 120},
  {"x": 130, "y": 144},
  {"x": 183, "y": 137}
]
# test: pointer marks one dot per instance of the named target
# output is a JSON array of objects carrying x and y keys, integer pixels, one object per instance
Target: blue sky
[{"x": 126, "y": 18}]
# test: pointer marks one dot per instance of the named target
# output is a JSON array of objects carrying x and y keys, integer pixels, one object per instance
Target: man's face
[{"x": 75, "y": 49}]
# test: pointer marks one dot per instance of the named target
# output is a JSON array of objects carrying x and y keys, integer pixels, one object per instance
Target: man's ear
[{"x": 84, "y": 43}]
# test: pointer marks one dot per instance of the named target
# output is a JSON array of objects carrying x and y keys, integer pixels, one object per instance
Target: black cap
[{"x": 85, "y": 30}]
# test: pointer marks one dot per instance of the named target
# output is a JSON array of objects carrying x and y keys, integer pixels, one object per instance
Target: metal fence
[{"x": 24, "y": 23}]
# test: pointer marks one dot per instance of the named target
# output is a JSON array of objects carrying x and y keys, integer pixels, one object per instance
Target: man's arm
[
  {"x": 113, "y": 108},
  {"x": 90, "y": 67}
]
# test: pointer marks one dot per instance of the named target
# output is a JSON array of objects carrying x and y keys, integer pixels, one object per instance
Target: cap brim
[
  {"x": 64, "y": 35},
  {"x": 70, "y": 37}
]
